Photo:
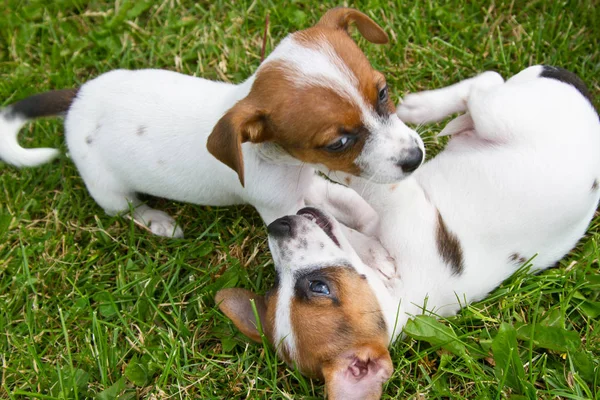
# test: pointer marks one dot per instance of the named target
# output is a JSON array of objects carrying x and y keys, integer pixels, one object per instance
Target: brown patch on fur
[
  {"x": 448, "y": 246},
  {"x": 370, "y": 81},
  {"x": 341, "y": 17},
  {"x": 393, "y": 187},
  {"x": 317, "y": 321},
  {"x": 244, "y": 122},
  {"x": 347, "y": 180},
  {"x": 517, "y": 259},
  {"x": 303, "y": 119},
  {"x": 594, "y": 185},
  {"x": 235, "y": 303}
]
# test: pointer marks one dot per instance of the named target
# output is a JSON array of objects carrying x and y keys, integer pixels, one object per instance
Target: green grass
[{"x": 93, "y": 306}]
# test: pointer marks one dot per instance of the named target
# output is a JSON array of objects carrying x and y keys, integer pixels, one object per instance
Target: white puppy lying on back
[
  {"x": 315, "y": 102},
  {"x": 519, "y": 179}
]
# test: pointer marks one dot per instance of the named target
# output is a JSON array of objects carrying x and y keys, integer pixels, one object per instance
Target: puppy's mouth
[{"x": 322, "y": 221}]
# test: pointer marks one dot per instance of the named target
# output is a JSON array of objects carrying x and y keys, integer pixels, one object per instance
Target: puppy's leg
[
  {"x": 344, "y": 204},
  {"x": 375, "y": 195},
  {"x": 370, "y": 251},
  {"x": 435, "y": 105},
  {"x": 114, "y": 200}
]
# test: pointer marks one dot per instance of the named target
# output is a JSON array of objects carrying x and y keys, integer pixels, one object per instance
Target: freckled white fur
[
  {"x": 516, "y": 179},
  {"x": 145, "y": 131}
]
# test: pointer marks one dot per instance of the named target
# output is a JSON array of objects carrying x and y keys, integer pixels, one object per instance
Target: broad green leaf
[
  {"x": 429, "y": 329},
  {"x": 583, "y": 365},
  {"x": 549, "y": 337},
  {"x": 590, "y": 308},
  {"x": 509, "y": 368},
  {"x": 106, "y": 304},
  {"x": 113, "y": 391},
  {"x": 228, "y": 344},
  {"x": 553, "y": 318},
  {"x": 137, "y": 372}
]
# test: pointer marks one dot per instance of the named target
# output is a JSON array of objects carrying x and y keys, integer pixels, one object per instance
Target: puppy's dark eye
[
  {"x": 319, "y": 287},
  {"x": 341, "y": 144},
  {"x": 383, "y": 94}
]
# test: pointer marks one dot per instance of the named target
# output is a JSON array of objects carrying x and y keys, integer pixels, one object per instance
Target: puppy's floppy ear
[
  {"x": 341, "y": 17},
  {"x": 242, "y": 123},
  {"x": 358, "y": 374},
  {"x": 235, "y": 303}
]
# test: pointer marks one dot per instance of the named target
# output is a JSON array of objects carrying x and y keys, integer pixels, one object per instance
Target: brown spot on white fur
[
  {"x": 283, "y": 110},
  {"x": 236, "y": 304},
  {"x": 393, "y": 187},
  {"x": 325, "y": 325},
  {"x": 369, "y": 80},
  {"x": 516, "y": 258},
  {"x": 448, "y": 246}
]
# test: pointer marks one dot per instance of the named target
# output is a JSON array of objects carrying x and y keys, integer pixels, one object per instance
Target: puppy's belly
[{"x": 513, "y": 202}]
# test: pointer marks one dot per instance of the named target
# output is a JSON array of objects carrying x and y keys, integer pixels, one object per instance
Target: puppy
[
  {"x": 518, "y": 180},
  {"x": 315, "y": 102}
]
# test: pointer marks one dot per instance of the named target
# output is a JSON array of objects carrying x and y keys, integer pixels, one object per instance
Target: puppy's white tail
[{"x": 13, "y": 117}]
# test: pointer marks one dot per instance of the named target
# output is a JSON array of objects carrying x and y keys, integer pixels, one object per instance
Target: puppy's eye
[
  {"x": 319, "y": 287},
  {"x": 383, "y": 94},
  {"x": 341, "y": 144}
]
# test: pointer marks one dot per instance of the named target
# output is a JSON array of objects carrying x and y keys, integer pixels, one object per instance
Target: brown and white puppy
[
  {"x": 315, "y": 102},
  {"x": 322, "y": 315}
]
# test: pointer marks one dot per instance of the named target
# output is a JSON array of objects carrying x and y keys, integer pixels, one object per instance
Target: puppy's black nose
[
  {"x": 413, "y": 159},
  {"x": 280, "y": 227}
]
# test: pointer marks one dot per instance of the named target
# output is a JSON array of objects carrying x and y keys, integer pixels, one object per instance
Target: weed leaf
[{"x": 427, "y": 328}]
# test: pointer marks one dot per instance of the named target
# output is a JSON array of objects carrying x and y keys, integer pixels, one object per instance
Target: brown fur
[
  {"x": 449, "y": 246},
  {"x": 325, "y": 328},
  {"x": 278, "y": 110}
]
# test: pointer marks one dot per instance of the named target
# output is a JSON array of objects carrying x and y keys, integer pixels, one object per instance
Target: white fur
[
  {"x": 145, "y": 131},
  {"x": 14, "y": 154},
  {"x": 519, "y": 183},
  {"x": 516, "y": 179}
]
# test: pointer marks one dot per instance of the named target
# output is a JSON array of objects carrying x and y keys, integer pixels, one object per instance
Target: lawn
[{"x": 93, "y": 306}]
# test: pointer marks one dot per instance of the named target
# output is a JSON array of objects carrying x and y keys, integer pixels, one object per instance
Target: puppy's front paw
[{"x": 423, "y": 107}]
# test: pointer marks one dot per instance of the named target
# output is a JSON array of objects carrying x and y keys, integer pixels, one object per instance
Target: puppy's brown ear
[
  {"x": 358, "y": 374},
  {"x": 341, "y": 17},
  {"x": 235, "y": 303},
  {"x": 242, "y": 123}
]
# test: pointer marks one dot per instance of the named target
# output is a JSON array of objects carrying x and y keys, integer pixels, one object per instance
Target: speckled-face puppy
[
  {"x": 518, "y": 180},
  {"x": 315, "y": 102}
]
